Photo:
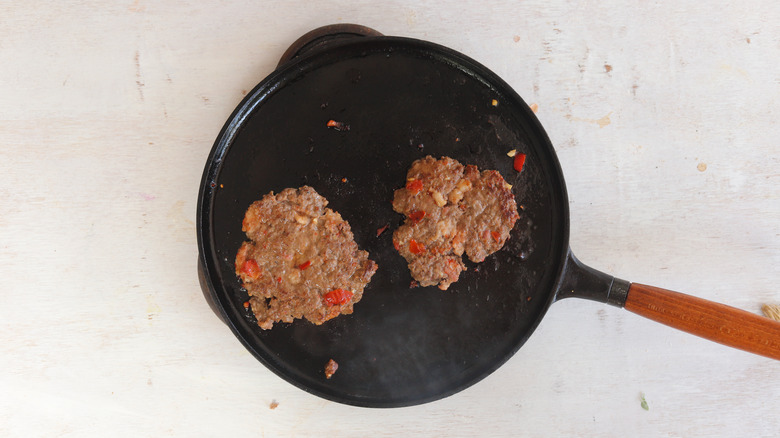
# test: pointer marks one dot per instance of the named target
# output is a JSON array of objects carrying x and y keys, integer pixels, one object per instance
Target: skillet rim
[{"x": 218, "y": 299}]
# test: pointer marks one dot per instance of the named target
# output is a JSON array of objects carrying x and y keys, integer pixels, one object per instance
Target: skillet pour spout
[{"x": 717, "y": 322}]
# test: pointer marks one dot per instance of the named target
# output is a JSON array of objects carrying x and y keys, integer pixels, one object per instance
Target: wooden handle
[{"x": 717, "y": 322}]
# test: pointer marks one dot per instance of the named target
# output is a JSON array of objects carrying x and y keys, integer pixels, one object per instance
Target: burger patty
[
  {"x": 450, "y": 209},
  {"x": 301, "y": 260}
]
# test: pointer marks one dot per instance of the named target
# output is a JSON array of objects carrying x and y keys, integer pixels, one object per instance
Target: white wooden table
[{"x": 664, "y": 118}]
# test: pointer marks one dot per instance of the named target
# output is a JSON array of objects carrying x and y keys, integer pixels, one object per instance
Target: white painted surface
[{"x": 109, "y": 110}]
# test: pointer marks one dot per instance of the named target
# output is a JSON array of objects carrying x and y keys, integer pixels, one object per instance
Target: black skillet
[{"x": 404, "y": 99}]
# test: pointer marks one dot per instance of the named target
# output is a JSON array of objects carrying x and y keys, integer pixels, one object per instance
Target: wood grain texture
[{"x": 714, "y": 321}]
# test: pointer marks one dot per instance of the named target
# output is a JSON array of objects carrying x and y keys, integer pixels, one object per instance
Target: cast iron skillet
[{"x": 405, "y": 99}]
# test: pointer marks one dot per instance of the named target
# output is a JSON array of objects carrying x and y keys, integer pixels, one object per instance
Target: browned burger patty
[
  {"x": 451, "y": 209},
  {"x": 301, "y": 261}
]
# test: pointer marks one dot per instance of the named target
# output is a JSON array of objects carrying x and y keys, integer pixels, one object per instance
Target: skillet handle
[
  {"x": 322, "y": 36},
  {"x": 717, "y": 322}
]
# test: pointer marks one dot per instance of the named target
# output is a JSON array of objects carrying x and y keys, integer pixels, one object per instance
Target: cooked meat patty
[
  {"x": 301, "y": 261},
  {"x": 451, "y": 209}
]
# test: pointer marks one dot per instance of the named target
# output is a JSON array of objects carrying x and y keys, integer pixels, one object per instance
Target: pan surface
[{"x": 403, "y": 99}]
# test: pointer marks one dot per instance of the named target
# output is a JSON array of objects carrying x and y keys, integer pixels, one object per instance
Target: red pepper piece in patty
[
  {"x": 496, "y": 236},
  {"x": 250, "y": 268},
  {"x": 416, "y": 216},
  {"x": 337, "y": 297},
  {"x": 304, "y": 265},
  {"x": 414, "y": 186},
  {"x": 415, "y": 247}
]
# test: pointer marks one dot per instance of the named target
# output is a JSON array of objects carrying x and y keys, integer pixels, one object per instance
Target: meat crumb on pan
[
  {"x": 301, "y": 260},
  {"x": 451, "y": 209},
  {"x": 338, "y": 126},
  {"x": 330, "y": 368}
]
